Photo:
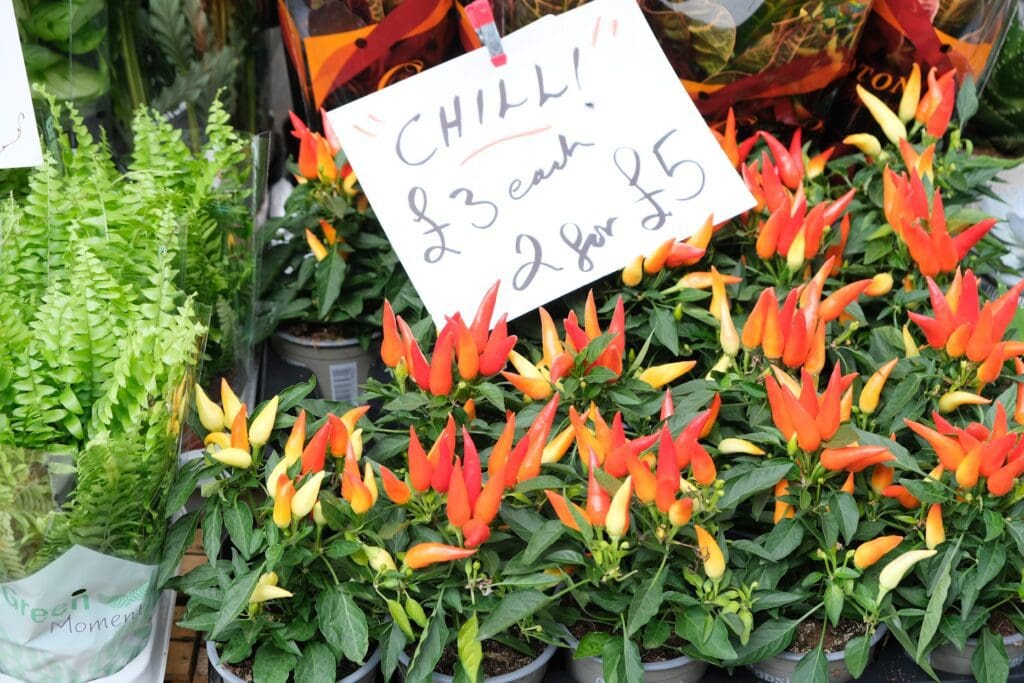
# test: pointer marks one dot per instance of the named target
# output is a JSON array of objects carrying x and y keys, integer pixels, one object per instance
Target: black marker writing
[
  {"x": 627, "y": 160},
  {"x": 472, "y": 202},
  {"x": 526, "y": 272},
  {"x": 418, "y": 206},
  {"x": 574, "y": 238},
  {"x": 540, "y": 175},
  {"x": 671, "y": 170}
]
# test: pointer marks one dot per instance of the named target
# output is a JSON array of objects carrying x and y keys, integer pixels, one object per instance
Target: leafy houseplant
[
  {"x": 327, "y": 266},
  {"x": 210, "y": 191},
  {"x": 98, "y": 343}
]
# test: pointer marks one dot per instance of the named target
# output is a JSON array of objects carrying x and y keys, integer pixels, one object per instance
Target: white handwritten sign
[
  {"x": 580, "y": 154},
  {"x": 19, "y": 138}
]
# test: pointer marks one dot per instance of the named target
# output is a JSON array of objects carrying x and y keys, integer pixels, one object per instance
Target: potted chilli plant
[
  {"x": 289, "y": 589},
  {"x": 471, "y": 602},
  {"x": 970, "y": 622},
  {"x": 327, "y": 268}
]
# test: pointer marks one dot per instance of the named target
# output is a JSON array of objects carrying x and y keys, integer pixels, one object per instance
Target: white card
[
  {"x": 562, "y": 166},
  {"x": 19, "y": 137}
]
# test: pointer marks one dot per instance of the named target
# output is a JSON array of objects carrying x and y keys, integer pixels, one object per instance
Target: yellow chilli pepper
[
  {"x": 872, "y": 390},
  {"x": 952, "y": 400},
  {"x": 305, "y": 498},
  {"x": 230, "y": 402},
  {"x": 616, "y": 522},
  {"x": 658, "y": 376},
  {"x": 888, "y": 121},
  {"x": 233, "y": 457},
  {"x": 728, "y": 336},
  {"x": 210, "y": 413},
  {"x": 909, "y": 345},
  {"x": 711, "y": 554},
  {"x": 865, "y": 142},
  {"x": 380, "y": 560},
  {"x": 264, "y": 592},
  {"x": 733, "y": 445},
  {"x": 894, "y": 572},
  {"x": 911, "y": 95},
  {"x": 316, "y": 246},
  {"x": 263, "y": 424},
  {"x": 633, "y": 274},
  {"x": 556, "y": 449}
]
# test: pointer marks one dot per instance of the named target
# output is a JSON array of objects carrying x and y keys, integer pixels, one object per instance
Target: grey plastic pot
[
  {"x": 367, "y": 673},
  {"x": 951, "y": 660},
  {"x": 341, "y": 366},
  {"x": 531, "y": 673},
  {"x": 679, "y": 670},
  {"x": 780, "y": 668}
]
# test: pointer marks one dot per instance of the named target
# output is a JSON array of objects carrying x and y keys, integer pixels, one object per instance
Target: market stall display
[{"x": 691, "y": 404}]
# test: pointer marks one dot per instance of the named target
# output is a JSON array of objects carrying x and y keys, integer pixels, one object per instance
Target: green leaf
[
  {"x": 316, "y": 665},
  {"x": 342, "y": 548},
  {"x": 492, "y": 394},
  {"x": 391, "y": 645},
  {"x": 664, "y": 325},
  {"x": 238, "y": 521},
  {"x": 834, "y": 599},
  {"x": 591, "y": 645},
  {"x": 428, "y": 651},
  {"x": 646, "y": 603},
  {"x": 612, "y": 661},
  {"x": 717, "y": 644},
  {"x": 213, "y": 530},
  {"x": 470, "y": 651},
  {"x": 858, "y": 650},
  {"x": 185, "y": 483},
  {"x": 767, "y": 640},
  {"x": 179, "y": 537},
  {"x": 936, "y": 605},
  {"x": 512, "y": 609},
  {"x": 991, "y": 559},
  {"x": 812, "y": 667},
  {"x": 966, "y": 100},
  {"x": 849, "y": 517},
  {"x": 330, "y": 274},
  {"x": 990, "y": 663},
  {"x": 547, "y": 534},
  {"x": 272, "y": 665},
  {"x": 235, "y": 599},
  {"x": 343, "y": 624},
  {"x": 758, "y": 479}
]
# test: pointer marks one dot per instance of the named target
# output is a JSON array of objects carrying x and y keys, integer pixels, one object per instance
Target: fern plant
[{"x": 97, "y": 337}]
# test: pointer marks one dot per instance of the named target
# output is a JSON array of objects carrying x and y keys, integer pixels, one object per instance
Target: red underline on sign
[
  {"x": 363, "y": 131},
  {"x": 615, "y": 27},
  {"x": 505, "y": 139},
  {"x": 374, "y": 118},
  {"x": 597, "y": 27}
]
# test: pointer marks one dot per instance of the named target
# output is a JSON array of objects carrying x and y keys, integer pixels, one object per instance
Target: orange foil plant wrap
[
  {"x": 346, "y": 49},
  {"x": 946, "y": 35}
]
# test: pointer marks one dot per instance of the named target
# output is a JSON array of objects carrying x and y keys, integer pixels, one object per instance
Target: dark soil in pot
[
  {"x": 244, "y": 669},
  {"x": 667, "y": 652},
  {"x": 1002, "y": 626},
  {"x": 808, "y": 635},
  {"x": 316, "y": 331},
  {"x": 498, "y": 658}
]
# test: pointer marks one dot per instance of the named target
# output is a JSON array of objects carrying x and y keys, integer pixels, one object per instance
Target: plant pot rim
[
  {"x": 371, "y": 664},
  {"x": 648, "y": 666},
  {"x": 542, "y": 660},
  {"x": 1013, "y": 639},
  {"x": 312, "y": 343},
  {"x": 838, "y": 654}
]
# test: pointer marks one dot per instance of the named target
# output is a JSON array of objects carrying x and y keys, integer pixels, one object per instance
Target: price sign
[
  {"x": 19, "y": 138},
  {"x": 580, "y": 154}
]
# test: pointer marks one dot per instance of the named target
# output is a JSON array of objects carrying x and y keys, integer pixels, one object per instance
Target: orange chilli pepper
[
  {"x": 420, "y": 469},
  {"x": 872, "y": 551},
  {"x": 425, "y": 554},
  {"x": 561, "y": 507},
  {"x": 598, "y": 499},
  {"x": 316, "y": 450},
  {"x": 397, "y": 491},
  {"x": 458, "y": 507},
  {"x": 392, "y": 351}
]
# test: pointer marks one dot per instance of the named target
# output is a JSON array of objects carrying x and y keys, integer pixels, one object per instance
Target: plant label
[
  {"x": 580, "y": 154},
  {"x": 19, "y": 137}
]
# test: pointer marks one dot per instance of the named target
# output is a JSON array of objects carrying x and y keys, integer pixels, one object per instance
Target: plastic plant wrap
[
  {"x": 752, "y": 55},
  {"x": 341, "y": 50},
  {"x": 98, "y": 346},
  {"x": 945, "y": 34},
  {"x": 65, "y": 46}
]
